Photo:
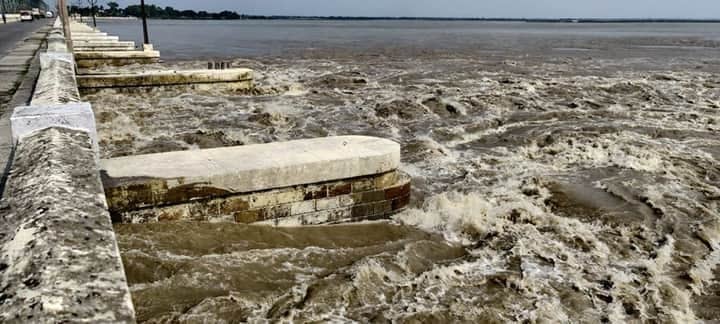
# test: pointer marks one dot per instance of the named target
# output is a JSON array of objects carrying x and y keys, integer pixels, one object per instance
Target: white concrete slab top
[
  {"x": 96, "y": 38},
  {"x": 264, "y": 166},
  {"x": 116, "y": 55},
  {"x": 30, "y": 119}
]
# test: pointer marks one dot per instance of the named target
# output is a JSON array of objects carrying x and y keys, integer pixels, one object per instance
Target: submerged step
[
  {"x": 313, "y": 181},
  {"x": 115, "y": 58},
  {"x": 235, "y": 79}
]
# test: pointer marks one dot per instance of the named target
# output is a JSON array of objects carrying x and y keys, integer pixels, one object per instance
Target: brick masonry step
[
  {"x": 97, "y": 59},
  {"x": 364, "y": 198},
  {"x": 136, "y": 182}
]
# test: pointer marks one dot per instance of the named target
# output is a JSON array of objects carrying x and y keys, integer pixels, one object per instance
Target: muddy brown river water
[{"x": 573, "y": 187}]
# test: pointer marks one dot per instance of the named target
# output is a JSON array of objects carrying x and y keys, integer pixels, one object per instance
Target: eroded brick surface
[{"x": 373, "y": 197}]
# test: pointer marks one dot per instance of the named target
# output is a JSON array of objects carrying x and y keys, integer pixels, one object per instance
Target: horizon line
[
  {"x": 566, "y": 18},
  {"x": 531, "y": 19},
  {"x": 473, "y": 18}
]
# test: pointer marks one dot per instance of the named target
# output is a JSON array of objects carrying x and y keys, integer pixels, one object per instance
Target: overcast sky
[{"x": 458, "y": 8}]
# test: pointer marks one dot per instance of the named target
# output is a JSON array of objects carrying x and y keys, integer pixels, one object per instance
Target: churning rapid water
[{"x": 561, "y": 173}]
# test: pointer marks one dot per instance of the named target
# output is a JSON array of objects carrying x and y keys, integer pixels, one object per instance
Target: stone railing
[{"x": 59, "y": 259}]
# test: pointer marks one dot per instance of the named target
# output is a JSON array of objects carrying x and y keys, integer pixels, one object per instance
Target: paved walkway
[
  {"x": 19, "y": 44},
  {"x": 12, "y": 33}
]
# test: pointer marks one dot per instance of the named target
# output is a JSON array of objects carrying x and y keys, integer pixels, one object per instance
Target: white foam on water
[{"x": 486, "y": 178}]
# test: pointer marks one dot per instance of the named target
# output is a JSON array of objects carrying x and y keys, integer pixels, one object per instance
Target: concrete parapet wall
[
  {"x": 56, "y": 43},
  {"x": 56, "y": 39},
  {"x": 57, "y": 83},
  {"x": 77, "y": 116},
  {"x": 59, "y": 259}
]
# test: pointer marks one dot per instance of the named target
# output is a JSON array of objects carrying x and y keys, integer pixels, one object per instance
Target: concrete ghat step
[
  {"x": 86, "y": 33},
  {"x": 103, "y": 43},
  {"x": 103, "y": 48},
  {"x": 116, "y": 55},
  {"x": 91, "y": 46},
  {"x": 96, "y": 38},
  {"x": 138, "y": 182},
  {"x": 119, "y": 58},
  {"x": 57, "y": 245},
  {"x": 236, "y": 78}
]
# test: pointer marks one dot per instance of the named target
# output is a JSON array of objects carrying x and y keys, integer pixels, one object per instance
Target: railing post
[
  {"x": 66, "y": 24},
  {"x": 144, "y": 21}
]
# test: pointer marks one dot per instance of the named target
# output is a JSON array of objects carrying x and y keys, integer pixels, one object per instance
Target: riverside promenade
[
  {"x": 19, "y": 68},
  {"x": 59, "y": 258},
  {"x": 19, "y": 42}
]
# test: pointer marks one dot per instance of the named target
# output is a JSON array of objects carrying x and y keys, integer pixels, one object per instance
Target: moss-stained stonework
[
  {"x": 59, "y": 261},
  {"x": 90, "y": 62},
  {"x": 363, "y": 198},
  {"x": 231, "y": 79}
]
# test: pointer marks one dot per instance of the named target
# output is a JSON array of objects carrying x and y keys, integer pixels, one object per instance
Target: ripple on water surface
[
  {"x": 580, "y": 190},
  {"x": 233, "y": 272}
]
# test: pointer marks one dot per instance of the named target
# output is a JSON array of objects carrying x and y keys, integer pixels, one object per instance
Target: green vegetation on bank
[{"x": 154, "y": 12}]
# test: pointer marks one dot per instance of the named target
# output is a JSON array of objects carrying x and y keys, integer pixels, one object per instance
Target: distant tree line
[{"x": 154, "y": 12}]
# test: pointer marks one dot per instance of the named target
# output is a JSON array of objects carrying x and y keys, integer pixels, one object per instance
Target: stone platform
[
  {"x": 316, "y": 181},
  {"x": 115, "y": 58},
  {"x": 232, "y": 79}
]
